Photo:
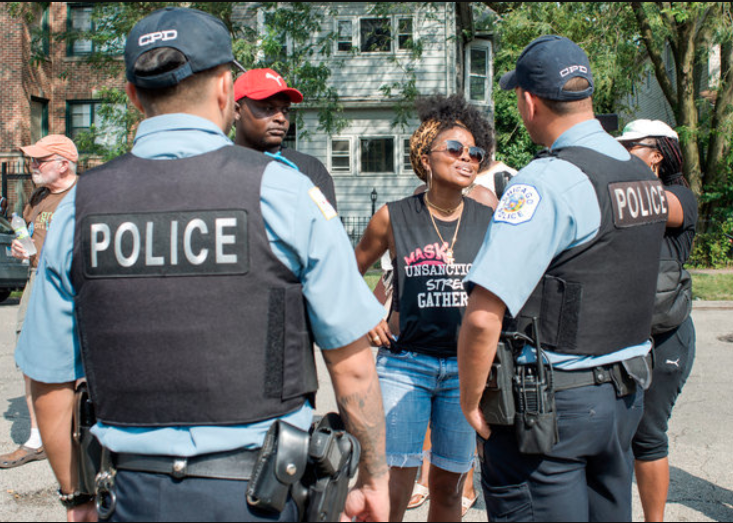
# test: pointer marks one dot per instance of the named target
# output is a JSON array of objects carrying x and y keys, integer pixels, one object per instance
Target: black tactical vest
[
  {"x": 186, "y": 316},
  {"x": 598, "y": 298}
]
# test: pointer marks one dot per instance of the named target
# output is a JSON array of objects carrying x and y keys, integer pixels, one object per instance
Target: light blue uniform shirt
[
  {"x": 562, "y": 212},
  {"x": 340, "y": 305}
]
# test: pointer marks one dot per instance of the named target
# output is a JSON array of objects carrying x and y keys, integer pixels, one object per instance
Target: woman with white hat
[{"x": 657, "y": 144}]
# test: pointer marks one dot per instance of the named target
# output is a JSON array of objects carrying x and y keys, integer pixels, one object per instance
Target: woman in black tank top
[{"x": 433, "y": 238}]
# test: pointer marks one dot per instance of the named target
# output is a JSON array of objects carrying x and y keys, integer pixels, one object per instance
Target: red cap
[{"x": 261, "y": 84}]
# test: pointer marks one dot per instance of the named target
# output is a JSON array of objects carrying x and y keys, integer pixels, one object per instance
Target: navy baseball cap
[
  {"x": 546, "y": 65},
  {"x": 202, "y": 38}
]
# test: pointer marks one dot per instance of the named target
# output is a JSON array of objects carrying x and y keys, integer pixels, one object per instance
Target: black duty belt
[
  {"x": 566, "y": 380},
  {"x": 235, "y": 465}
]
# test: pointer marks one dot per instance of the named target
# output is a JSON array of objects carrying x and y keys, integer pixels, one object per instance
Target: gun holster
[
  {"x": 88, "y": 449},
  {"x": 314, "y": 468},
  {"x": 497, "y": 403},
  {"x": 281, "y": 464},
  {"x": 334, "y": 456}
]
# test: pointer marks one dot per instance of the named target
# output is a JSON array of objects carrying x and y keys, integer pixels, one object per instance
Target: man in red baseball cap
[{"x": 262, "y": 119}]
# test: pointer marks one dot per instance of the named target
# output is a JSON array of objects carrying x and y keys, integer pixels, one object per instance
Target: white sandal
[{"x": 422, "y": 493}]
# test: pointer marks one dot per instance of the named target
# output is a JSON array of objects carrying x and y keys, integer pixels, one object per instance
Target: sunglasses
[
  {"x": 631, "y": 145},
  {"x": 456, "y": 149},
  {"x": 35, "y": 161}
]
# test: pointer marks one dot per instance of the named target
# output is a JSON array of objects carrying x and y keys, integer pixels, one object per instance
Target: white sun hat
[{"x": 640, "y": 129}]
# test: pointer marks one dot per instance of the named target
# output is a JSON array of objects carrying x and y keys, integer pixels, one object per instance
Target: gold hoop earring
[{"x": 430, "y": 180}]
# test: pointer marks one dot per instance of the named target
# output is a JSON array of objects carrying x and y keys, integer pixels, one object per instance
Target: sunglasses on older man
[{"x": 456, "y": 149}]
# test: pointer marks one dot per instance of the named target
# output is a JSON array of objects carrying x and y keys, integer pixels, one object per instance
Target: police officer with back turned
[
  {"x": 194, "y": 273},
  {"x": 581, "y": 285}
]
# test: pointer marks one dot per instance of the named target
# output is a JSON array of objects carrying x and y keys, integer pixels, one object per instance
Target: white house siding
[
  {"x": 648, "y": 100},
  {"x": 354, "y": 190},
  {"x": 360, "y": 76}
]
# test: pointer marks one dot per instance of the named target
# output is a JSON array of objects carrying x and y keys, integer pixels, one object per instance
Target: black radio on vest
[
  {"x": 178, "y": 268},
  {"x": 430, "y": 293},
  {"x": 583, "y": 300}
]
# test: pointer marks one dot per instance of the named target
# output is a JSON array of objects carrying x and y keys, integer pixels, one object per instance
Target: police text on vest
[{"x": 166, "y": 244}]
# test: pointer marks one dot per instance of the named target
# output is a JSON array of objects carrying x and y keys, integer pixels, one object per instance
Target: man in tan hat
[{"x": 54, "y": 166}]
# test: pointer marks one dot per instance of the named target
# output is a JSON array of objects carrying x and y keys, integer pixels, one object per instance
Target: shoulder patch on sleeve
[
  {"x": 323, "y": 204},
  {"x": 518, "y": 205}
]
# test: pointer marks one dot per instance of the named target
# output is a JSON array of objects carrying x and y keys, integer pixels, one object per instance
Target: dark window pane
[
  {"x": 377, "y": 155},
  {"x": 341, "y": 164},
  {"x": 479, "y": 62},
  {"x": 376, "y": 35},
  {"x": 340, "y": 146},
  {"x": 405, "y": 33},
  {"x": 345, "y": 36},
  {"x": 478, "y": 89}
]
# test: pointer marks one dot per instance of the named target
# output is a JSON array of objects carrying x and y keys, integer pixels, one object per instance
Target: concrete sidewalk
[{"x": 702, "y": 464}]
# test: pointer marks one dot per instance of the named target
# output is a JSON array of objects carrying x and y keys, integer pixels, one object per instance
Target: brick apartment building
[{"x": 47, "y": 86}]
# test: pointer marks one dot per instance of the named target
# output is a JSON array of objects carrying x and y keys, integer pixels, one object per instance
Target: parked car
[{"x": 13, "y": 273}]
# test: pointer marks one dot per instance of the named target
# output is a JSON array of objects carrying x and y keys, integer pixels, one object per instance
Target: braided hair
[
  {"x": 440, "y": 113},
  {"x": 670, "y": 170}
]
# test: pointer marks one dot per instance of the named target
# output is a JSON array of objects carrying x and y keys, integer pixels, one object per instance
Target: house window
[
  {"x": 377, "y": 155},
  {"x": 478, "y": 69},
  {"x": 340, "y": 156},
  {"x": 39, "y": 119},
  {"x": 42, "y": 34},
  {"x": 345, "y": 41},
  {"x": 404, "y": 33},
  {"x": 376, "y": 35},
  {"x": 80, "y": 21},
  {"x": 406, "y": 161},
  {"x": 89, "y": 116}
]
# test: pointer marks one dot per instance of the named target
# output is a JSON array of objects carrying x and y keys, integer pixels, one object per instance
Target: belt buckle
[{"x": 180, "y": 468}]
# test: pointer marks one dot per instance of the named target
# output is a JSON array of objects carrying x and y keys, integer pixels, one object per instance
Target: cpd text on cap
[
  {"x": 160, "y": 36},
  {"x": 573, "y": 69}
]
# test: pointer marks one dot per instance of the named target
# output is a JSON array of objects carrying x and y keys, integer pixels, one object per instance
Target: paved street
[{"x": 702, "y": 460}]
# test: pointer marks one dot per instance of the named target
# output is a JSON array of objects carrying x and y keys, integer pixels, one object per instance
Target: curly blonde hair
[{"x": 440, "y": 113}]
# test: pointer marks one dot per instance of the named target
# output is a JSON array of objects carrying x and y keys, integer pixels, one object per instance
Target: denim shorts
[{"x": 418, "y": 391}]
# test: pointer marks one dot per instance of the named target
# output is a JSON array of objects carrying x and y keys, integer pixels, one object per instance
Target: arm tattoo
[{"x": 363, "y": 416}]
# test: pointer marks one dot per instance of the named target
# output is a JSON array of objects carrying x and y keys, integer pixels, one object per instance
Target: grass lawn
[
  {"x": 712, "y": 286},
  {"x": 705, "y": 287}
]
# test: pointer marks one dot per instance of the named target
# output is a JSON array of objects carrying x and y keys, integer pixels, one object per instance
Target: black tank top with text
[{"x": 430, "y": 292}]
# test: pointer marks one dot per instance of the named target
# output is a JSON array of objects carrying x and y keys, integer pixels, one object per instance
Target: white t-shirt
[{"x": 486, "y": 178}]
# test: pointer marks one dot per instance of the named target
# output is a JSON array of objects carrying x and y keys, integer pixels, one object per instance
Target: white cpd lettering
[
  {"x": 160, "y": 36},
  {"x": 97, "y": 244},
  {"x": 225, "y": 239},
  {"x": 187, "y": 249},
  {"x": 573, "y": 69},
  {"x": 127, "y": 261}
]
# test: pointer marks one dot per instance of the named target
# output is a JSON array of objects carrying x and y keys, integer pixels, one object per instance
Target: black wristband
[{"x": 74, "y": 500}]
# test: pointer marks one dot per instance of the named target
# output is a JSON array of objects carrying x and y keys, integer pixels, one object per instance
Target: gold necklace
[
  {"x": 449, "y": 254},
  {"x": 444, "y": 211}
]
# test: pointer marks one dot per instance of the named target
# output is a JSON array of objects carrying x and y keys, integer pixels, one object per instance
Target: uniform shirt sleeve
[
  {"x": 307, "y": 235},
  {"x": 549, "y": 207},
  {"x": 48, "y": 349}
]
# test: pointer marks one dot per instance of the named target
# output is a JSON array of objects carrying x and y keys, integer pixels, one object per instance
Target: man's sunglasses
[{"x": 456, "y": 150}]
